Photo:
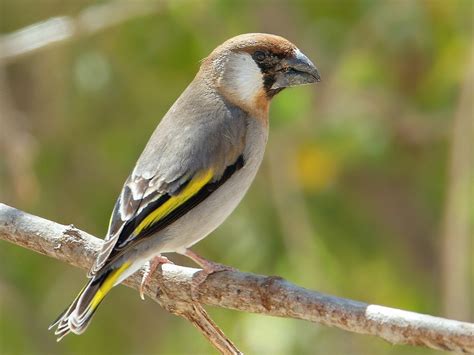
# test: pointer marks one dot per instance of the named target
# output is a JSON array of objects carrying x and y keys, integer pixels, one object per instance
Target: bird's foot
[
  {"x": 208, "y": 268},
  {"x": 150, "y": 269}
]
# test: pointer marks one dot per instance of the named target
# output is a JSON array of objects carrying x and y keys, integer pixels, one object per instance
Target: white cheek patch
[{"x": 242, "y": 77}]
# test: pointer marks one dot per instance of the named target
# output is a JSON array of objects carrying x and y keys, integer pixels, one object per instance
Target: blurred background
[{"x": 365, "y": 191}]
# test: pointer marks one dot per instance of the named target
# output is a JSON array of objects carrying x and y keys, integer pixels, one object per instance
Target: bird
[{"x": 196, "y": 168}]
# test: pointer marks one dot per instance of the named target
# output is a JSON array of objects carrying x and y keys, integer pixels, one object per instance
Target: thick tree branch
[{"x": 243, "y": 291}]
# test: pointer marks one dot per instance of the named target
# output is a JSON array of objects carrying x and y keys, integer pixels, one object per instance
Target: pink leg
[
  {"x": 208, "y": 268},
  {"x": 151, "y": 268}
]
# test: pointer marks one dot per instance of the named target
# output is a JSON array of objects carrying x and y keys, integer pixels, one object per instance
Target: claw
[
  {"x": 145, "y": 277},
  {"x": 208, "y": 268},
  {"x": 151, "y": 266}
]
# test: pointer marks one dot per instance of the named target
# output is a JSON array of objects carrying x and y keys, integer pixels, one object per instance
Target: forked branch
[{"x": 246, "y": 292}]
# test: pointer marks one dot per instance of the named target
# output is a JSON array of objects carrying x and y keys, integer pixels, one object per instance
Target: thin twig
[
  {"x": 17, "y": 147},
  {"x": 457, "y": 237},
  {"x": 247, "y": 292},
  {"x": 197, "y": 315},
  {"x": 55, "y": 30},
  {"x": 201, "y": 320}
]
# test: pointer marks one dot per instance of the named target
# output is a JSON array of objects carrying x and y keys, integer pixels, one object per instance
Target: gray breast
[{"x": 209, "y": 214}]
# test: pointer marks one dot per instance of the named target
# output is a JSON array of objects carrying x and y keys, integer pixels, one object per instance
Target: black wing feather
[{"x": 173, "y": 216}]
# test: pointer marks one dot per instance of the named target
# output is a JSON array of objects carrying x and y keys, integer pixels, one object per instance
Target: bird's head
[{"x": 252, "y": 68}]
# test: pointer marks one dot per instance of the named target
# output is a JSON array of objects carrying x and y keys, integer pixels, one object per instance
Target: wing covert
[{"x": 170, "y": 172}]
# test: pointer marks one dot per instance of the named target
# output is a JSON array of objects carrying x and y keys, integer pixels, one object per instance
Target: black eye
[{"x": 259, "y": 56}]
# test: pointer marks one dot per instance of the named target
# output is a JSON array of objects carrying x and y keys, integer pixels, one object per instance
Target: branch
[
  {"x": 247, "y": 292},
  {"x": 61, "y": 29}
]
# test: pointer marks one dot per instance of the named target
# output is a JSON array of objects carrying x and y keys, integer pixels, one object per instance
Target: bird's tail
[{"x": 78, "y": 315}]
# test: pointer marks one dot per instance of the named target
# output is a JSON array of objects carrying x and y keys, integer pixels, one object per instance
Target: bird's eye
[{"x": 259, "y": 56}]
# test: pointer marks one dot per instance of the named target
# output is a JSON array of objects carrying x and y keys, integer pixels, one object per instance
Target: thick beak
[{"x": 297, "y": 70}]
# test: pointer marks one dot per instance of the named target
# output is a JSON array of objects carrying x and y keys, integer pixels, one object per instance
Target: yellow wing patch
[
  {"x": 166, "y": 208},
  {"x": 107, "y": 285}
]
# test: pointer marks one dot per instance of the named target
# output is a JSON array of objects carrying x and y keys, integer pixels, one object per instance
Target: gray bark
[{"x": 270, "y": 295}]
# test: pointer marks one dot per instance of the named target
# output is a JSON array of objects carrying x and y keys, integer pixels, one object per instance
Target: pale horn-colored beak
[{"x": 297, "y": 70}]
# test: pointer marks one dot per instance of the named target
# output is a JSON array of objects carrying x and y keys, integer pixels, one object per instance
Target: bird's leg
[
  {"x": 208, "y": 268},
  {"x": 151, "y": 266}
]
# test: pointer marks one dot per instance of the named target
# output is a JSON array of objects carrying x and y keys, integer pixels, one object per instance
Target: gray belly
[{"x": 210, "y": 213}]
